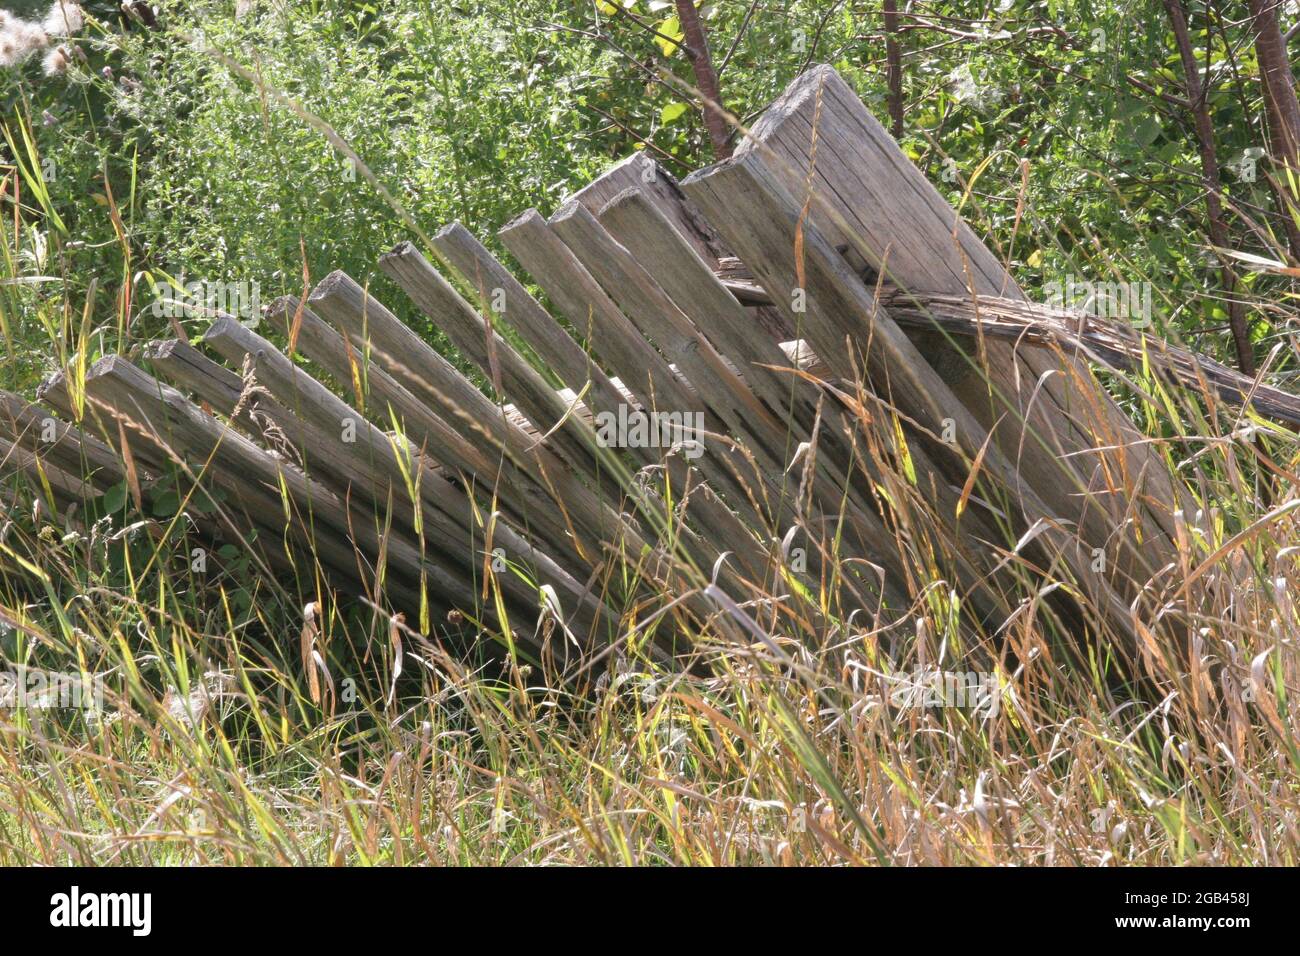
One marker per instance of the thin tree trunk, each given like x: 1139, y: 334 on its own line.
x: 1286, y: 205
x: 1282, y: 109
x: 893, y: 67
x: 1286, y: 202
x: 1218, y: 227
x: 706, y: 80
x: 1275, y: 66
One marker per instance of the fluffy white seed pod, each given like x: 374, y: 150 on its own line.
x: 56, y: 61
x: 64, y: 19
x: 19, y: 39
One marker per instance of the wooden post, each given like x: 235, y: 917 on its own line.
x: 576, y: 369
x: 851, y: 332
x: 448, y: 524
x: 1046, y: 412
x: 69, y: 447
x: 510, y: 374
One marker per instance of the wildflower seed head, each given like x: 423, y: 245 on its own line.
x: 64, y: 19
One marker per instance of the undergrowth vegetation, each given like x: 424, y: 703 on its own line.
x: 251, y: 719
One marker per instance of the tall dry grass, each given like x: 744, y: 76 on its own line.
x: 792, y: 742
x: 249, y: 721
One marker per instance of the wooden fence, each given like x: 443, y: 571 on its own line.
x: 739, y: 380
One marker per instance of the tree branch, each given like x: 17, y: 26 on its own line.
x: 697, y: 49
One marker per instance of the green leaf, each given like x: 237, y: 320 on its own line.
x: 1147, y: 131
x: 672, y: 35
x: 165, y: 505
x: 114, y: 498
x: 204, y: 503
x: 671, y: 112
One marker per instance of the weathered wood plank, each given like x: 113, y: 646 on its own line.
x: 326, y: 346
x: 63, y: 445
x: 595, y: 523
x: 595, y: 526
x: 570, y: 363
x: 1065, y: 434
x: 432, y: 394
x: 641, y: 172
x: 691, y: 284
x: 642, y: 370
x: 1108, y: 343
x: 488, y: 447
x: 449, y: 553
x: 459, y: 543
x: 646, y: 376
x: 575, y: 367
x: 852, y: 333
x: 508, y: 371
x: 651, y: 239
x: 659, y: 320
x: 266, y: 421
x: 65, y: 489
x: 662, y: 190
x: 162, y: 423
x: 640, y: 297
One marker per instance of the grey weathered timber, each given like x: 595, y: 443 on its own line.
x: 570, y: 363
x: 594, y: 524
x: 1046, y: 413
x: 353, y: 360
x: 566, y: 433
x: 66, y: 489
x: 208, y: 381
x: 653, y: 241
x: 639, y: 295
x: 659, y: 320
x: 173, y: 426
x: 448, y: 524
x: 665, y: 384
x: 69, y: 447
x: 1110, y: 344
x: 525, y: 491
x: 329, y: 349
x: 55, y: 391
x: 601, y: 394
x: 643, y: 372
x: 524, y: 465
x: 872, y: 382
x: 376, y: 332
x: 574, y: 366
x: 641, y: 172
x: 315, y: 417
x: 852, y: 333
x: 355, y: 477
x: 662, y: 190
x: 364, y: 370
x: 266, y: 421
x: 1106, y: 342
x: 566, y: 359
x: 472, y: 334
